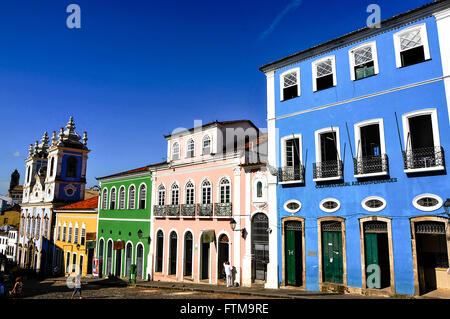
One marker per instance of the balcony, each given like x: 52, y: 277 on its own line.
x: 326, y: 171
x: 204, y: 210
x: 188, y: 210
x: 173, y: 210
x: 371, y: 166
x: 424, y: 159
x: 291, y: 174
x: 222, y: 209
x: 159, y: 210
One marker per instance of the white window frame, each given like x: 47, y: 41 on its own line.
x: 424, y: 208
x: 193, y: 148
x: 139, y: 196
x: 423, y: 36
x: 219, y: 190
x: 296, y: 70
x: 436, y: 138
x: 172, y: 188
x: 186, y: 192
x: 161, y: 188
x: 314, y: 70
x: 201, y: 191
x: 292, y: 211
x: 205, y: 138
x: 283, y: 152
x: 330, y: 199
x: 121, y: 204
x: 177, y: 153
x: 111, y: 198
x: 318, y: 149
x: 351, y: 56
x: 263, y: 181
x: 358, y: 148
x: 105, y: 198
x: 370, y: 209
x: 133, y: 202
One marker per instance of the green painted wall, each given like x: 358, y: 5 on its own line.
x: 124, y: 224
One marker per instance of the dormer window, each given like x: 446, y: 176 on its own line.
x: 190, y: 148
x: 175, y: 151
x: 206, y: 149
x: 411, y: 46
x: 290, y: 84
x: 363, y: 61
x: 324, y: 73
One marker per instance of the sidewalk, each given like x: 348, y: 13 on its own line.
x: 286, y: 293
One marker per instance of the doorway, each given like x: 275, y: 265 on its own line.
x: 173, y: 243
x: 139, y: 261
x: 260, y: 246
x: 332, y: 253
x: 109, y: 258
x: 118, y: 262
x: 100, y: 258
x: 223, y: 255
x: 188, y: 254
x: 376, y: 248
x: 90, y: 261
x: 432, y: 255
x: 204, y: 254
x: 293, y: 253
x: 128, y: 256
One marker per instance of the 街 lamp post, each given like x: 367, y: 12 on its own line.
x: 233, y: 228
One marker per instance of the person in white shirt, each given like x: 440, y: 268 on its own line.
x: 228, y: 272
x: 77, y: 286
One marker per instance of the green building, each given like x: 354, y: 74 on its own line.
x: 124, y: 223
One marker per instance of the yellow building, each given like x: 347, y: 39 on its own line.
x: 10, y: 217
x: 75, y: 235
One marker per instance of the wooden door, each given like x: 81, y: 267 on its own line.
x: 332, y: 259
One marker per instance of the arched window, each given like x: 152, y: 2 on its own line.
x: 161, y: 195
x: 206, y: 147
x: 105, y: 198
x: 128, y: 258
x: 122, y: 197
x: 259, y: 190
x: 173, y: 253
x: 190, y: 193
x: 112, y: 199
x: 175, y: 151
x: 188, y: 244
x: 206, y: 192
x: 58, y: 236
x: 159, y: 251
x: 174, y: 194
x: 64, y: 232
x: 225, y: 191
x: 142, y: 196
x: 131, y: 198
x: 72, y: 164
x: 69, y: 238
x: 190, y: 148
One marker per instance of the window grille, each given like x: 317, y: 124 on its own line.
x: 427, y: 202
x: 374, y: 203
x: 293, y: 206
x: 375, y: 227
x: 189, y: 193
x: 224, y: 191
x: 332, y: 226
x: 69, y: 240
x: 175, y: 192
x: 75, y: 237
x: 324, y: 68
x: 122, y: 198
x: 410, y: 40
x: 161, y: 195
x: 105, y: 199
x: 290, y: 79
x: 330, y: 204
x: 294, y: 225
x: 206, y: 192
x: 363, y: 55
x: 435, y: 228
x: 64, y: 233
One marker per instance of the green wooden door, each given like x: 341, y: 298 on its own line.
x: 371, y: 242
x: 290, y: 258
x: 332, y: 257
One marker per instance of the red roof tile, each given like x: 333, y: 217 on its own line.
x: 90, y: 203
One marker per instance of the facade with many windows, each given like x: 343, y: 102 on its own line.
x: 210, y: 206
x: 358, y: 133
x: 123, y: 232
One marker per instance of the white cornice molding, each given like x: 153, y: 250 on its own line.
x: 442, y: 14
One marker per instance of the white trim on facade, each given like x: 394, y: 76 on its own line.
x: 282, y: 75
x: 370, y: 209
x: 314, y: 70
x: 330, y: 199
x: 427, y: 208
x: 351, y: 57
x: 424, y: 39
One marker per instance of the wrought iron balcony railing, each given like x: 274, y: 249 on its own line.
x: 204, y: 209
x: 173, y: 210
x: 222, y: 209
x: 159, y: 210
x: 188, y: 209
x: 328, y: 169
x: 291, y: 174
x: 371, y: 164
x: 424, y: 158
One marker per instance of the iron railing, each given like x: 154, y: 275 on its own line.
x: 291, y: 174
x: 327, y: 169
x: 204, y: 210
x: 159, y: 210
x: 222, y: 209
x: 371, y: 164
x: 424, y: 157
x: 188, y: 209
x: 173, y: 210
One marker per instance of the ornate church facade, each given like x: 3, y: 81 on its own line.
x: 55, y: 176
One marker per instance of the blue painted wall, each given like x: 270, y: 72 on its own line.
x: 399, y: 194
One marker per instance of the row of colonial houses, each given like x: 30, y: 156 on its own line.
x: 346, y: 190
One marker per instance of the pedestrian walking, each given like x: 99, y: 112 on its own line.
x: 77, y: 288
x: 228, y: 272
x: 17, y: 289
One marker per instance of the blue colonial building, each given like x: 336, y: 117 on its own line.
x: 358, y: 139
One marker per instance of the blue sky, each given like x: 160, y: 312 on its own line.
x: 136, y: 70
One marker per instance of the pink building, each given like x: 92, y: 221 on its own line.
x: 210, y: 205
